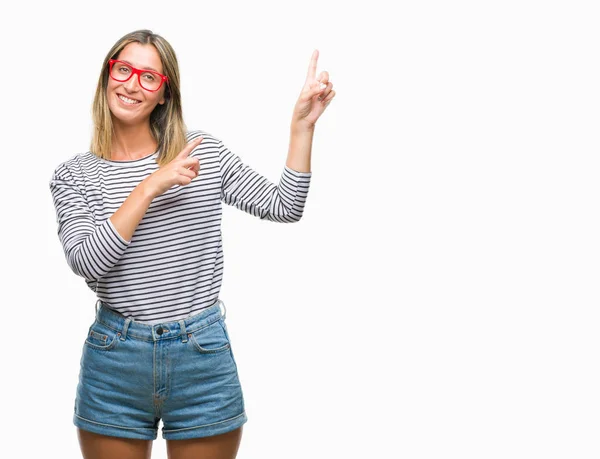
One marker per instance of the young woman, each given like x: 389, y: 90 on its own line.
x: 139, y: 219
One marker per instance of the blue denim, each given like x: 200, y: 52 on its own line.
x: 134, y: 374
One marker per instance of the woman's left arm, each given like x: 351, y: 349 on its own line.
x: 253, y: 193
x: 316, y: 95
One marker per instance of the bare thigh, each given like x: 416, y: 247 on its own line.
x: 96, y: 446
x: 222, y: 446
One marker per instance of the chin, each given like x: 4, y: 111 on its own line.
x: 128, y: 120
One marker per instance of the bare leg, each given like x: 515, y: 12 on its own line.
x: 96, y: 446
x: 223, y: 446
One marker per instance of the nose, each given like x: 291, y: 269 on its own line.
x: 132, y: 85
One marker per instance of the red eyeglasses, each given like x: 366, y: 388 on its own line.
x: 148, y: 79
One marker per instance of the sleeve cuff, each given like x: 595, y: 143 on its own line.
x: 115, y: 236
x: 297, y: 174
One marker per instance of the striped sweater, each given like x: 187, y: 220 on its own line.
x: 173, y: 265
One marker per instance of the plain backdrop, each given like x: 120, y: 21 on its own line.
x: 439, y: 297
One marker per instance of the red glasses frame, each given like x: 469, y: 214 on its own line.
x: 134, y: 71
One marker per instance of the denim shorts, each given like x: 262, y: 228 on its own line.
x: 134, y: 374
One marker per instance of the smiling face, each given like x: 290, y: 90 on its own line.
x: 138, y: 103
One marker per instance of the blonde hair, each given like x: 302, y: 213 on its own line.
x: 166, y: 120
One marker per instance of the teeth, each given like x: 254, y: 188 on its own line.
x: 129, y: 101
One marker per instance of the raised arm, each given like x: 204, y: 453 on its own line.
x: 247, y: 190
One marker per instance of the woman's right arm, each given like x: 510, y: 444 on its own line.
x: 90, y: 250
x: 127, y: 217
x: 93, y: 250
x: 181, y: 171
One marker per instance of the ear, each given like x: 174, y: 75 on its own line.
x: 163, y: 97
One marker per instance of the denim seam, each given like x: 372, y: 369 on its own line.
x: 150, y: 340
x: 157, y: 401
x: 119, y: 427
x: 203, y: 350
x: 102, y: 347
x: 100, y: 336
x: 205, y: 425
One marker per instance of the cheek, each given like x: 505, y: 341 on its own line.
x: 111, y: 85
x: 110, y: 91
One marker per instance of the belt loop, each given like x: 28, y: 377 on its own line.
x: 183, y: 331
x: 125, y: 327
x: 98, y: 301
x: 224, y: 313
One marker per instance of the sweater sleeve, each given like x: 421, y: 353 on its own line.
x: 90, y: 250
x: 249, y: 191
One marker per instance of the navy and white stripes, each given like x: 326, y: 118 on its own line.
x: 252, y: 193
x: 173, y: 265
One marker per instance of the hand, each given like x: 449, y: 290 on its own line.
x: 316, y: 95
x: 180, y: 171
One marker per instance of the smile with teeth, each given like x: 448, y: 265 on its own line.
x: 127, y: 100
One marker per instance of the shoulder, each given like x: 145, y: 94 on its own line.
x: 72, y: 166
x: 208, y: 139
x: 70, y: 172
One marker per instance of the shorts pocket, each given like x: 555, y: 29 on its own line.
x: 210, y: 339
x: 101, y: 337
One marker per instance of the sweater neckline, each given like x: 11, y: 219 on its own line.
x: 148, y: 159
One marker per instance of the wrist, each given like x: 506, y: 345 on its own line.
x: 302, y: 127
x: 145, y: 189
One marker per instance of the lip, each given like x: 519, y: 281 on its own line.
x: 125, y: 103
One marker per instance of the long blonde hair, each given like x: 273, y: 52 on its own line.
x: 166, y: 120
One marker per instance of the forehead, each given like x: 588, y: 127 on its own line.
x: 141, y: 56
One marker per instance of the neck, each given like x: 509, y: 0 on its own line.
x: 131, y: 142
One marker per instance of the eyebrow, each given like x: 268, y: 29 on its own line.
x: 144, y: 68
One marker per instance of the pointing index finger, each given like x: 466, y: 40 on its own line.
x: 312, y: 67
x: 190, y: 146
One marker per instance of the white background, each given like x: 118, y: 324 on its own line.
x: 439, y: 297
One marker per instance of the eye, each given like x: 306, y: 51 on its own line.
x: 149, y: 76
x: 123, y: 69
